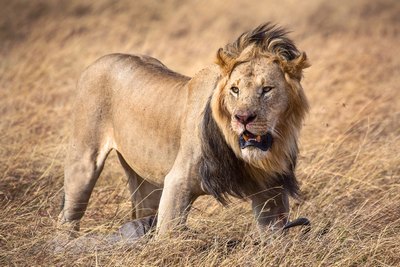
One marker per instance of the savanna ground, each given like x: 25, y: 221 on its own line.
x: 349, y: 164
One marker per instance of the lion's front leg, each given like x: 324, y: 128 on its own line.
x: 176, y: 200
x: 271, y: 212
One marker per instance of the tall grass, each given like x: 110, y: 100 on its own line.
x: 349, y: 164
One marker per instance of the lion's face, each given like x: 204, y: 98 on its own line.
x: 256, y: 98
x: 259, y: 103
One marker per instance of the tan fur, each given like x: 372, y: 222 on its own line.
x: 288, y: 131
x: 241, y: 52
x: 152, y: 117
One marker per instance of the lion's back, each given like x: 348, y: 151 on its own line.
x: 122, y: 79
x: 127, y: 66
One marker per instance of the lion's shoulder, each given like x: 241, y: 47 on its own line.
x: 206, y: 79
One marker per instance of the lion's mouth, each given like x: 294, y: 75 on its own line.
x: 263, y: 142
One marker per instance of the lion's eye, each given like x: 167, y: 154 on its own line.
x: 234, y: 90
x: 266, y: 89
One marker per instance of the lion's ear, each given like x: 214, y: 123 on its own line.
x: 224, y: 61
x: 295, y: 66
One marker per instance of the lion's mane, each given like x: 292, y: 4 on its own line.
x: 223, y: 171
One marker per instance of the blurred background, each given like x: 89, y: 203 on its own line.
x: 349, y: 164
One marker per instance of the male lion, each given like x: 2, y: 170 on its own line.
x: 231, y: 130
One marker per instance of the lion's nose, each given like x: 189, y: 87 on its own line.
x: 245, y: 117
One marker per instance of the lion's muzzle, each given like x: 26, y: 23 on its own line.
x: 263, y: 142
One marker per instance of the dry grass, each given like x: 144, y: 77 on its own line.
x: 349, y: 164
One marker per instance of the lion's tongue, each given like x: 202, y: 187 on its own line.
x: 262, y: 142
x: 247, y: 136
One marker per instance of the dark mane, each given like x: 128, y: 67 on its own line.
x: 223, y: 174
x: 265, y: 38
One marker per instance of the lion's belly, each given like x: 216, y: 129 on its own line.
x: 151, y: 162
x: 149, y: 151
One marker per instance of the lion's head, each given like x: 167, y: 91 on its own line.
x: 259, y: 104
x: 252, y: 121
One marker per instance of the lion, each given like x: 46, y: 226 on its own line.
x: 231, y: 130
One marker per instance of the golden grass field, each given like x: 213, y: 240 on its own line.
x: 350, y: 144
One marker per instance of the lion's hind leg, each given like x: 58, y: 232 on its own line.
x: 145, y: 197
x: 83, y: 166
